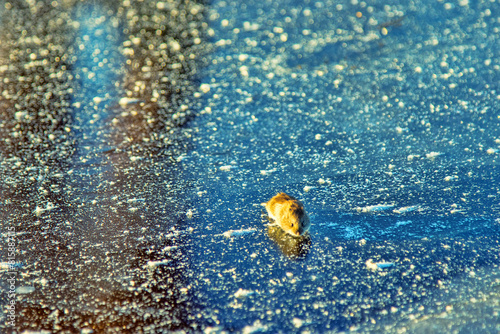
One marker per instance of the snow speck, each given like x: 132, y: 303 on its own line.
x: 226, y: 168
x: 371, y: 265
x: 268, y: 171
x: 297, y: 322
x: 374, y: 266
x: 237, y: 233
x: 154, y: 264
x: 256, y: 327
x: 205, y: 88
x: 25, y: 289
x: 242, y: 293
x: 242, y: 57
x: 97, y: 99
x: 308, y: 188
x: 127, y: 100
x: 374, y: 208
x: 432, y: 155
x: 492, y: 151
x: 406, y: 209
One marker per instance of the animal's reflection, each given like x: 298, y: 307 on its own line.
x: 292, y: 247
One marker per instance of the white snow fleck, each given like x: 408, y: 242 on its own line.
x: 491, y: 151
x: 169, y: 248
x: 242, y: 293
x: 154, y: 264
x: 406, y: 209
x: 38, y: 210
x: 133, y: 200
x: 374, y: 266
x: 244, y: 71
x: 370, y: 265
x: 127, y: 100
x: 256, y: 327
x: 308, y: 188
x: 374, y: 208
x: 432, y: 155
x: 180, y: 157
x: 268, y: 171
x: 97, y: 99
x: 242, y: 57
x: 20, y: 115
x: 205, y: 88
x: 297, y: 322
x: 250, y: 26
x: 25, y: 289
x: 237, y: 233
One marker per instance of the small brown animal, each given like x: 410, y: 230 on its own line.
x: 289, y: 214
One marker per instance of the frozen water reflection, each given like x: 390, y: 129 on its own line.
x: 131, y: 215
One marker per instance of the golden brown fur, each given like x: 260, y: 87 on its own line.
x: 289, y: 214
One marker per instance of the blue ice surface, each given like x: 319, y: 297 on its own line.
x: 96, y: 40
x: 383, y: 118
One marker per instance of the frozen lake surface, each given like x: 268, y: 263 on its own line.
x: 140, y: 139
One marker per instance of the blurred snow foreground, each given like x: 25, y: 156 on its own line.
x: 139, y: 139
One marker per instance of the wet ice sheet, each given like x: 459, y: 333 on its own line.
x: 383, y: 120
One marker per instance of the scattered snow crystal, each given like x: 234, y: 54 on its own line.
x: 242, y: 293
x: 232, y: 233
x: 373, y: 208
